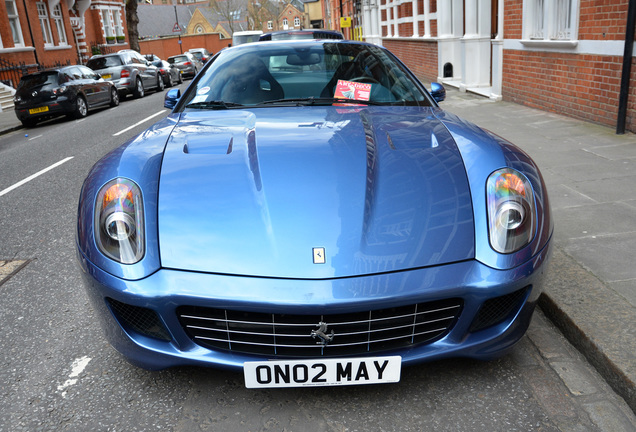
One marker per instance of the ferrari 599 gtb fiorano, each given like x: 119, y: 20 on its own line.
x: 308, y: 215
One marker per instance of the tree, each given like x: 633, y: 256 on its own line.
x: 131, y: 22
x: 262, y: 11
x: 232, y: 11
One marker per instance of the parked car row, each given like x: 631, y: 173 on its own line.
x: 131, y: 72
x: 75, y: 90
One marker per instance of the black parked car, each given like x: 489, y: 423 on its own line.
x: 69, y: 90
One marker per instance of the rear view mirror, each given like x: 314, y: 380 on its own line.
x: 438, y: 92
x: 171, y: 98
x: 303, y: 59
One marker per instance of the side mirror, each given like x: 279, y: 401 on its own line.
x: 171, y: 98
x: 438, y: 92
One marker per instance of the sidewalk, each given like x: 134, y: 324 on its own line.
x: 9, y: 122
x: 590, y: 172
x: 591, y: 177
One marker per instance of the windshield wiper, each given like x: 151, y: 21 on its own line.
x: 213, y: 105
x: 317, y: 101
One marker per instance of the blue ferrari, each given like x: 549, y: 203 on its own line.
x: 308, y: 215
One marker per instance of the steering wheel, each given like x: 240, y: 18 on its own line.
x: 365, y: 79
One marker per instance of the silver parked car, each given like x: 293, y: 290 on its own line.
x: 201, y: 53
x: 131, y: 72
x: 187, y: 63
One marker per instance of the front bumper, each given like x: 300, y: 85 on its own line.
x: 156, y: 339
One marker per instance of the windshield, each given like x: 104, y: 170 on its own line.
x: 38, y: 80
x: 178, y: 59
x: 104, y: 62
x: 270, y: 74
x: 241, y: 38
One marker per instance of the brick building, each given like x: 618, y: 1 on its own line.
x: 59, y: 31
x: 563, y: 56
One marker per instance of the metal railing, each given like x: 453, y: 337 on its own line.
x: 10, y: 73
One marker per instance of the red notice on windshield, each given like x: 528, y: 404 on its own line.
x: 353, y: 90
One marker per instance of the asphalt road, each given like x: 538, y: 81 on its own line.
x: 58, y: 373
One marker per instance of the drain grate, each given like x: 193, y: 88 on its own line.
x: 10, y: 267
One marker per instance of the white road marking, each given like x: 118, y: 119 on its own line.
x: 77, y: 368
x: 138, y: 123
x: 37, y: 174
x: 35, y: 137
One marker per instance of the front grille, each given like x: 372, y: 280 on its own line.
x: 291, y: 335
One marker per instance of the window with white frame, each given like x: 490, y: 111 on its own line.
x: 296, y: 22
x: 14, y: 23
x: 551, y: 20
x: 107, y: 21
x: 270, y: 25
x: 45, y: 24
x: 285, y: 22
x: 56, y: 13
x: 117, y: 24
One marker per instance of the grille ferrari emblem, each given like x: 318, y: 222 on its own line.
x: 322, y: 335
x: 319, y: 255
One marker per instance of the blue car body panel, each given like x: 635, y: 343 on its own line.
x: 381, y: 188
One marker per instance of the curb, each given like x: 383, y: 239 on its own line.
x: 10, y: 129
x: 595, y: 320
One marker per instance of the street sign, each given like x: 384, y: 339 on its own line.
x: 176, y: 28
x: 345, y: 22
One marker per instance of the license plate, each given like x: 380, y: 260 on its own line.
x: 322, y: 372
x: 38, y: 110
x: 106, y: 76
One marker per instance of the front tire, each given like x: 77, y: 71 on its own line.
x: 139, y: 89
x: 160, y: 83
x: 81, y: 109
x: 114, y: 97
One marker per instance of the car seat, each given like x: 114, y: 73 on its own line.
x: 249, y: 82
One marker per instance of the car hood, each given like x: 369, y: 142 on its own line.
x: 263, y: 192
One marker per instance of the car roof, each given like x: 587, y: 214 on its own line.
x: 53, y: 69
x: 316, y: 33
x: 117, y: 54
x: 306, y: 42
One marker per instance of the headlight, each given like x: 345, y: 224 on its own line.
x: 511, y: 210
x: 119, y: 221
